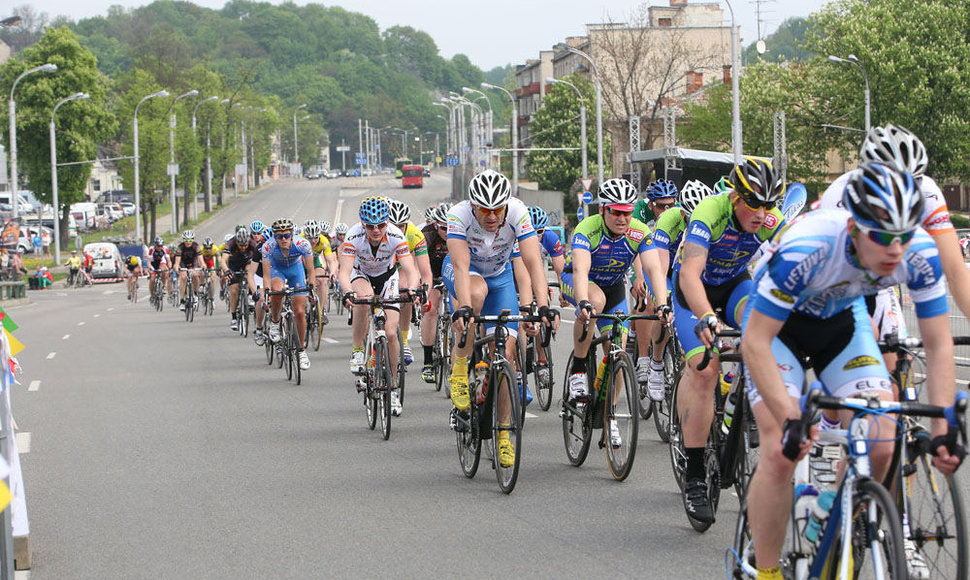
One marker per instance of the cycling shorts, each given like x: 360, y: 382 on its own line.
x: 841, y: 350
x: 731, y: 297
x: 385, y: 285
x: 294, y: 276
x: 501, y: 293
x: 615, y: 299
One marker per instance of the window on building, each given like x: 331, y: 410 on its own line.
x: 97, y: 184
x: 667, y: 22
x: 695, y: 81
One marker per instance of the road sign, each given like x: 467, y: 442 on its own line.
x: 172, y: 169
x: 361, y: 158
x: 587, y: 183
x: 579, y: 213
x: 343, y: 148
x: 587, y: 197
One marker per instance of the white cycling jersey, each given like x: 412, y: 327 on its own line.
x: 490, y: 252
x: 936, y: 216
x: 371, y: 261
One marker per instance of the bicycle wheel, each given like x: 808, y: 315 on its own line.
x: 544, y: 387
x: 383, y: 385
x: 279, y: 346
x: 678, y: 457
x: 577, y: 429
x: 621, y: 405
x: 739, y: 562
x: 402, y: 368
x: 242, y: 308
x: 443, y: 355
x: 933, y: 514
x: 876, y: 529
x: 315, y: 328
x: 294, y: 351
x: 502, y: 378
x: 521, y: 376
x: 661, y: 409
x: 267, y: 344
x: 288, y: 344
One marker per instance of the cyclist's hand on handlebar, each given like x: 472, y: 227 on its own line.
x: 550, y: 316
x: 795, y: 445
x: 460, y: 318
x: 584, y: 310
x: 639, y: 288
x: 706, y: 327
x: 348, y: 296
x: 663, y: 311
x: 948, y: 452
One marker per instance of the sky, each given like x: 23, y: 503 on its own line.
x: 494, y: 32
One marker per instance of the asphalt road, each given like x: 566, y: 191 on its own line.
x: 163, y: 449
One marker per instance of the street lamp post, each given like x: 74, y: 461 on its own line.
x: 208, y: 162
x: 582, y: 121
x: 737, y: 144
x: 162, y: 93
x: 296, y: 138
x: 515, y: 135
x: 48, y: 67
x: 488, y: 120
x: 172, y: 168
x: 852, y: 59
x: 54, y: 198
x: 599, y: 109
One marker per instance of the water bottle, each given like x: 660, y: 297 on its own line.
x: 806, y: 496
x: 599, y: 374
x: 731, y: 402
x: 481, y: 371
x: 819, y: 513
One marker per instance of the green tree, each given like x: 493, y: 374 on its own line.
x: 79, y: 125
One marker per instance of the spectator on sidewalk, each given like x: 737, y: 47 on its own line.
x: 38, y: 244
x: 17, y: 268
x: 44, y: 277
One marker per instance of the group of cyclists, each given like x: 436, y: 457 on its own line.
x: 805, y: 293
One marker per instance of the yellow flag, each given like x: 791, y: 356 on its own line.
x: 15, y: 345
x: 5, y: 496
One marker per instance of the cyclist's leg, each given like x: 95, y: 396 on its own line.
x: 361, y: 285
x: 429, y: 325
x: 234, y: 287
x: 501, y: 296
x: 277, y: 281
x: 596, y: 298
x: 181, y: 284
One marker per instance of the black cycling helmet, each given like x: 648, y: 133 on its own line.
x: 756, y: 182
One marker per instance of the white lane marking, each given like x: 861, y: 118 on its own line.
x: 530, y: 415
x: 336, y: 216
x: 80, y: 323
x: 21, y: 575
x: 97, y: 315
x: 23, y: 442
x: 110, y: 309
x: 34, y: 385
x: 331, y: 340
x: 567, y: 321
x: 51, y: 355
x: 65, y: 337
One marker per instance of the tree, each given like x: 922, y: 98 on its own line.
x: 79, y: 125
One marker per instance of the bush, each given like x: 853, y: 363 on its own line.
x: 960, y: 221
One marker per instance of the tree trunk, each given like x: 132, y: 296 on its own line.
x: 152, y: 220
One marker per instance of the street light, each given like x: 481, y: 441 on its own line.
x: 599, y: 107
x: 736, y: 142
x: 162, y: 93
x: 48, y: 67
x: 296, y: 148
x: 852, y: 59
x: 208, y: 159
x: 515, y: 135
x: 582, y: 120
x: 56, y: 202
x: 488, y: 120
x: 172, y: 168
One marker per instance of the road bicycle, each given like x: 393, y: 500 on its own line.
x: 242, y: 305
x: 191, y: 300
x: 335, y: 302
x: 314, y: 313
x: 862, y: 535
x: 134, y: 292
x: 443, y: 339
x: 540, y: 367
x: 482, y: 420
x: 268, y: 345
x: 612, y: 400
x: 158, y: 291
x: 207, y: 295
x: 729, y: 457
x: 289, y: 343
x: 673, y: 364
x: 376, y: 384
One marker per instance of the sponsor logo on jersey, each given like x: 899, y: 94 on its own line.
x: 730, y: 237
x: 581, y: 243
x: 922, y: 268
x: 872, y: 384
x: 634, y: 234
x: 786, y: 298
x: 803, y: 268
x: 784, y: 367
x: 942, y: 219
x: 859, y: 362
x: 700, y: 232
x: 771, y: 220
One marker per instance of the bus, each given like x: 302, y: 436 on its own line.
x: 412, y: 176
x: 399, y: 163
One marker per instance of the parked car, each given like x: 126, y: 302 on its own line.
x: 128, y: 207
x: 112, y: 211
x: 116, y: 195
x: 333, y: 174
x: 26, y: 241
x: 313, y: 175
x: 107, y: 260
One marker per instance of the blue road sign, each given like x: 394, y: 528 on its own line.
x: 587, y: 197
x: 579, y: 213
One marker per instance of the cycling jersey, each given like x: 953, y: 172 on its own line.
x: 321, y: 246
x: 550, y: 245
x: 642, y: 212
x: 490, y: 252
x: 714, y: 227
x: 186, y: 254
x: 610, y: 255
x: 437, y: 248
x: 299, y: 249
x: 417, y: 244
x: 157, y: 255
x: 74, y: 262
x: 374, y: 261
x: 209, y: 256
x: 936, y: 216
x: 239, y: 257
x: 668, y: 232
x: 812, y: 270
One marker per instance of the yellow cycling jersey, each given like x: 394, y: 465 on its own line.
x: 416, y: 242
x: 215, y: 251
x: 322, y: 246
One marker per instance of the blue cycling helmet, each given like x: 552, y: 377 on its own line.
x: 539, y: 218
x: 266, y: 232
x: 256, y: 227
x: 660, y: 189
x: 374, y: 210
x: 882, y: 198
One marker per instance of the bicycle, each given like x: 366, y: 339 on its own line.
x: 191, y: 301
x: 315, y: 321
x: 402, y: 367
x: 673, y: 363
x: 484, y: 383
x: 267, y: 343
x: 134, y: 292
x: 544, y: 381
x: 730, y: 457
x: 158, y: 291
x: 335, y: 302
x: 206, y: 294
x: 930, y: 503
x: 376, y: 384
x: 289, y: 345
x: 443, y: 340
x: 863, y: 516
x: 242, y: 304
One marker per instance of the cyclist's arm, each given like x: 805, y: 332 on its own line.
x: 581, y: 260
x: 331, y: 263
x: 424, y: 267
x: 409, y: 267
x: 529, y: 249
x: 346, y: 262
x: 759, y: 332
x: 655, y: 268
x: 251, y: 274
x: 695, y: 260
x: 957, y: 274
x: 523, y: 284
x: 199, y: 262
x: 938, y: 344
x: 461, y: 262
x: 558, y: 263
x: 308, y: 270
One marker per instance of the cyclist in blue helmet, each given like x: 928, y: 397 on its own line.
x: 256, y: 227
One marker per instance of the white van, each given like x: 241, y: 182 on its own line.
x: 24, y: 206
x: 107, y: 260
x: 88, y: 212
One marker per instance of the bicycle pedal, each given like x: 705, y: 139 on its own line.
x: 360, y: 385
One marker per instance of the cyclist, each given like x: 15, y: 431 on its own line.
x: 235, y: 262
x: 436, y: 237
x: 667, y: 234
x: 260, y: 237
x: 286, y: 259
x: 160, y: 263
x: 418, y: 246
x: 551, y: 247
x: 340, y: 234
x: 368, y: 266
x: 661, y: 195
x: 806, y: 303
x: 604, y: 248
x: 711, y: 272
x: 210, y: 257
x: 188, y: 255
x: 481, y: 234
x: 324, y: 262
x: 132, y: 273
x: 74, y: 267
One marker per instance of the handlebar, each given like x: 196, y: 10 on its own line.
x: 377, y: 301
x: 619, y: 318
x: 501, y: 319
x: 893, y: 343
x: 709, y: 351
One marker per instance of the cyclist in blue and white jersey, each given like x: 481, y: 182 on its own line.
x: 549, y: 243
x: 807, y: 303
x: 286, y: 260
x: 482, y: 232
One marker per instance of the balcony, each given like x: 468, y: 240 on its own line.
x: 531, y: 89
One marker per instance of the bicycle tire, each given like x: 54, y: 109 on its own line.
x: 188, y: 301
x: 678, y: 457
x: 402, y: 369
x: 383, y: 385
x: 267, y: 344
x: 577, y: 430
x: 932, y: 506
x: 506, y: 476
x: 295, y: 351
x: 243, y: 317
x: 278, y: 346
x: 672, y: 370
x: 622, y: 408
x: 316, y: 331
x: 872, y: 502
x: 470, y: 441
x: 288, y: 346
x: 544, y: 388
x: 443, y: 344
x: 522, y: 387
x: 739, y: 561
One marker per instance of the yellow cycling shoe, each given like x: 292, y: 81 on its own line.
x: 459, y: 392
x: 506, y: 452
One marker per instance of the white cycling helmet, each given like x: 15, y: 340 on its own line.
x: 880, y: 197
x: 312, y: 230
x: 325, y: 227
x: 691, y: 194
x: 618, y: 193
x: 490, y: 190
x: 400, y: 212
x: 188, y: 235
x: 895, y: 146
x: 341, y: 229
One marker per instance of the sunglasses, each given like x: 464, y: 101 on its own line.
x: 884, y: 238
x: 539, y: 232
x: 282, y: 236
x: 486, y: 211
x: 756, y: 204
x: 375, y: 226
x: 618, y: 213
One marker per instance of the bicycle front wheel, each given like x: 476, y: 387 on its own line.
x: 316, y: 329
x: 443, y: 354
x: 267, y: 343
x: 382, y: 384
x: 623, y: 417
x: 877, y: 537
x: 577, y: 429
x: 294, y: 351
x: 507, y: 472
x: 545, y: 387
x: 661, y: 409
